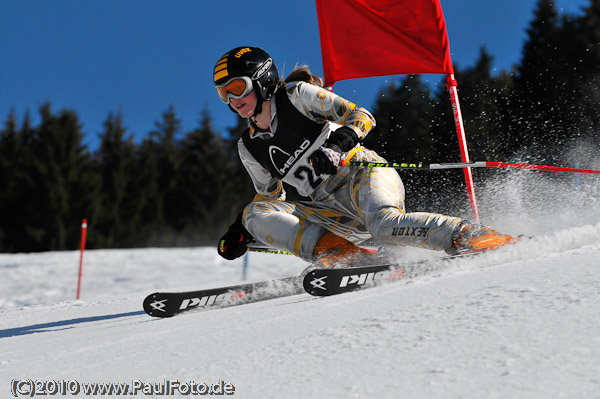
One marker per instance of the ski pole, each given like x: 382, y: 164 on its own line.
x: 267, y: 250
x: 459, y: 165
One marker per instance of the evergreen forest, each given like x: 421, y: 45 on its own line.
x: 185, y: 188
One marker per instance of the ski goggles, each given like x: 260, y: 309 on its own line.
x: 234, y: 88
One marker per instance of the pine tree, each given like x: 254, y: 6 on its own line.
x: 555, y: 102
x: 412, y: 125
x: 539, y: 103
x: 118, y: 221
x: 60, y: 186
x: 8, y: 184
x: 482, y: 98
x: 20, y: 160
x: 244, y: 190
x: 585, y: 73
x: 207, y: 186
x: 404, y: 119
x: 157, y: 166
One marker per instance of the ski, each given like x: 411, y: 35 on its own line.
x: 325, y: 282
x: 168, y: 304
x: 315, y: 281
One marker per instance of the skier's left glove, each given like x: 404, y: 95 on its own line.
x: 235, y: 242
x: 326, y: 159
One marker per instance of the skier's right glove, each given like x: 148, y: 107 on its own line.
x: 234, y: 243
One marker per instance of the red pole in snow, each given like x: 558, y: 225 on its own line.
x: 83, y: 234
x: 462, y: 142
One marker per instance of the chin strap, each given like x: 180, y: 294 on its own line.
x: 259, y: 103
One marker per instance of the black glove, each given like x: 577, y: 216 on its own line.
x: 326, y: 159
x: 234, y: 243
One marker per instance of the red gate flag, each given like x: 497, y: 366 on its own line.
x: 364, y: 38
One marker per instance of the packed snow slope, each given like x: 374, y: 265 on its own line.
x: 519, y: 322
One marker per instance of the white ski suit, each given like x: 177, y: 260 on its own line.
x: 356, y: 203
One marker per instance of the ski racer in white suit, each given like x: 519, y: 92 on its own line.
x: 298, y: 134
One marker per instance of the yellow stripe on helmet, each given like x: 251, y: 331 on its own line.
x: 221, y: 68
x: 221, y: 75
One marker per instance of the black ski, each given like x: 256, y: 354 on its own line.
x: 167, y: 304
x: 315, y: 281
x: 324, y: 282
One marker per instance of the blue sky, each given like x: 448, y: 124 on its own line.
x: 140, y: 57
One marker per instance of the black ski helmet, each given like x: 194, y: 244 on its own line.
x: 252, y: 62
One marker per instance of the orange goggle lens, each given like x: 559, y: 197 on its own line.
x: 236, y: 88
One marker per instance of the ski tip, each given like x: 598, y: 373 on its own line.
x: 155, y: 306
x: 308, y: 282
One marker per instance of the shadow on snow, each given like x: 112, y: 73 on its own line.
x: 64, y: 324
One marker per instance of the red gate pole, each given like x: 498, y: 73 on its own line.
x: 83, y: 234
x: 462, y: 142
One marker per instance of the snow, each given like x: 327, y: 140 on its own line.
x: 521, y: 321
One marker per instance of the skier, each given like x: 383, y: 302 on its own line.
x: 298, y: 133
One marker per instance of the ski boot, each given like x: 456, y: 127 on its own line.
x: 473, y: 238
x: 335, y: 251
